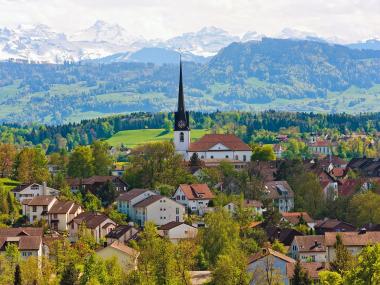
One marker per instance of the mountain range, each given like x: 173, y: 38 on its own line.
x: 106, y: 43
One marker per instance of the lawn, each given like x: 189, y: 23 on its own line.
x: 133, y: 138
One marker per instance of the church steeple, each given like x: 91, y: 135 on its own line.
x: 181, y: 116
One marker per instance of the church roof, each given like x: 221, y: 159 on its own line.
x: 208, y: 141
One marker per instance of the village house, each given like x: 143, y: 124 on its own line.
x: 268, y: 260
x: 177, y: 231
x: 28, y: 191
x: 283, y: 235
x: 126, y: 255
x: 94, y: 183
x: 158, y: 209
x: 281, y: 194
x: 27, y: 239
x: 333, y: 225
x: 122, y: 233
x: 322, y: 147
x: 256, y: 206
x: 295, y: 218
x: 309, y: 248
x: 353, y: 241
x: 196, y: 197
x: 127, y: 200
x: 61, y: 213
x: 367, y: 167
x: 37, y: 208
x: 278, y: 150
x: 97, y: 224
x: 312, y: 268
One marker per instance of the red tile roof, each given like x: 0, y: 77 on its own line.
x: 294, y: 217
x: 61, y: 207
x: 312, y: 268
x: 338, y: 172
x: 196, y: 191
x: 208, y: 141
x: 353, y: 238
x: 268, y: 251
x: 349, y: 187
x: 314, y: 243
x: 14, y: 232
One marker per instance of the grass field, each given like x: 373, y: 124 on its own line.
x: 133, y: 138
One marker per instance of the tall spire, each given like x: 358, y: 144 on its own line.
x: 181, y: 99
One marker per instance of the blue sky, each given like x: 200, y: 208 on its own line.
x: 349, y: 20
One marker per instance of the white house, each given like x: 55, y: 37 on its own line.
x: 158, y: 209
x: 309, y: 248
x: 255, y: 205
x: 126, y: 200
x: 97, y: 224
x: 196, y: 197
x: 37, y: 208
x: 28, y: 191
x: 281, y: 195
x: 61, y: 213
x: 211, y: 146
x: 176, y: 231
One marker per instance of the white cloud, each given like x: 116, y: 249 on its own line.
x: 347, y: 19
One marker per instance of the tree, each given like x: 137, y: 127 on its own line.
x: 7, y: 159
x: 81, y: 162
x: 363, y: 208
x: 344, y: 260
x: 31, y: 166
x: 17, y: 278
x: 12, y: 254
x: 300, y: 276
x: 107, y: 193
x: 330, y: 278
x: 69, y: 275
x: 278, y: 246
x: 263, y: 153
x: 91, y: 202
x: 102, y: 160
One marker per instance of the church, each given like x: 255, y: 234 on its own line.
x: 210, y: 146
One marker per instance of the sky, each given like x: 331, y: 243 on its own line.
x: 348, y: 20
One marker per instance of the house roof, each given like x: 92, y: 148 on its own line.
x: 350, y: 186
x: 148, y: 201
x: 209, y: 140
x: 285, y: 236
x: 120, y: 246
x: 252, y: 203
x: 74, y: 208
x: 353, y: 238
x: 277, y: 189
x: 23, y: 242
x: 21, y: 187
x: 128, y: 196
x: 330, y: 224
x: 21, y: 231
x: 42, y: 200
x: 315, y: 243
x: 61, y: 207
x: 196, y: 191
x: 321, y: 143
x: 338, y: 171
x: 294, y: 217
x: 119, y: 231
x: 172, y: 225
x: 268, y: 251
x: 90, y: 219
x: 312, y: 268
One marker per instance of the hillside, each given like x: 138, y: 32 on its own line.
x: 285, y: 75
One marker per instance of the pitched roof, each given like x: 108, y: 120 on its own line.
x: 42, y: 200
x: 90, y: 219
x: 268, y: 251
x: 338, y: 171
x: 30, y: 243
x: 312, y: 268
x: 294, y: 217
x: 128, y: 196
x: 61, y: 207
x: 14, y: 232
x: 277, y: 189
x: 172, y: 225
x: 119, y: 231
x: 208, y: 141
x: 350, y: 186
x: 196, y: 191
x: 315, y: 243
x: 252, y: 203
x: 148, y: 201
x: 74, y: 209
x: 123, y: 248
x: 285, y: 236
x: 353, y: 238
x: 21, y: 187
x: 330, y: 224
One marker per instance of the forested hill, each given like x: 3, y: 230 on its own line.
x: 244, y: 124
x: 276, y: 74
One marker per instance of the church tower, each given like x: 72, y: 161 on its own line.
x: 181, y: 121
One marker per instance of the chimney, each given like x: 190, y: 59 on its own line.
x: 362, y: 231
x: 44, y: 188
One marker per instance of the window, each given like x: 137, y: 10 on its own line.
x: 236, y: 157
x: 177, y: 211
x: 244, y: 157
x: 44, y: 208
x: 183, y: 197
x: 181, y: 137
x: 212, y: 156
x: 177, y: 219
x: 34, y: 209
x: 202, y: 156
x: 178, y: 197
x: 227, y: 156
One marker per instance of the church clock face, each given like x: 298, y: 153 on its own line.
x: 181, y: 124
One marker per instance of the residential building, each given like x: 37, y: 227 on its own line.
x: 333, y: 225
x: 126, y: 255
x: 97, y: 224
x: 281, y: 194
x: 158, y: 209
x: 61, y: 213
x: 196, y: 197
x: 27, y: 239
x: 177, y: 231
x: 37, y: 208
x: 265, y: 261
x: 29, y: 191
x: 312, y: 268
x: 94, y: 183
x: 284, y: 235
x: 309, y: 248
x: 256, y: 206
x: 354, y: 241
x: 211, y: 146
x: 367, y: 167
x: 295, y: 218
x: 278, y: 150
x: 122, y: 233
x: 126, y: 200
x: 322, y: 147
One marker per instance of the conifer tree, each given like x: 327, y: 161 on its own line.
x: 69, y: 275
x: 17, y: 280
x: 343, y: 258
x: 300, y: 276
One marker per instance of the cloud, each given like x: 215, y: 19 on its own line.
x: 347, y: 19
